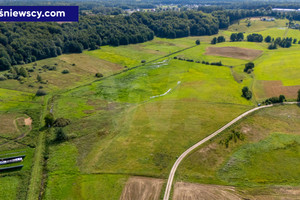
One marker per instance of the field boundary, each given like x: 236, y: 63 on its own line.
x: 195, y: 146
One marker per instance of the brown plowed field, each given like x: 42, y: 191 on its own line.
x: 140, y: 188
x: 234, y: 52
x: 275, y: 88
x: 191, y: 191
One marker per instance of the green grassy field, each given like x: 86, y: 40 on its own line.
x: 279, y: 65
x: 14, y: 184
x: 128, y: 132
x: 248, y: 164
x: 139, y: 121
x: 267, y: 156
x: 257, y: 26
x: 82, y: 69
x: 132, y: 55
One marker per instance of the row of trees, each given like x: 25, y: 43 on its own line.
x: 234, y: 37
x: 255, y: 37
x: 219, y: 39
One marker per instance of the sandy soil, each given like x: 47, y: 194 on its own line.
x: 234, y: 52
x: 28, y: 121
x: 140, y: 188
x: 191, y: 191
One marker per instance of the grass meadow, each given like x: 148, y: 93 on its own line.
x: 266, y: 157
x: 138, y: 121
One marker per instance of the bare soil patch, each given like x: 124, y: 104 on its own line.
x: 275, y: 88
x: 191, y: 191
x: 140, y: 188
x: 28, y: 121
x: 234, y: 52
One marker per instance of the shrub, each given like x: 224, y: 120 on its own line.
x: 65, y: 71
x: 41, y: 93
x: 281, y: 98
x: 272, y: 46
x: 268, y: 39
x: 272, y: 100
x: 39, y: 78
x: 255, y: 37
x: 143, y: 61
x: 99, y: 75
x: 248, y: 66
x: 49, y: 120
x: 2, y: 78
x: 197, y: 42
x: 9, y: 75
x: 221, y: 39
x: 60, y: 135
x: 217, y: 63
x: 52, y: 68
x: 61, y: 122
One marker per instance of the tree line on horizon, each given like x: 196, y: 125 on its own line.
x: 26, y: 42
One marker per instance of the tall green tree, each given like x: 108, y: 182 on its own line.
x: 214, y: 41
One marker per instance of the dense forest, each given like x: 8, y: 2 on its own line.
x: 102, y: 25
x: 179, y: 24
x: 27, y: 42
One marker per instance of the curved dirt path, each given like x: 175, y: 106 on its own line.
x: 182, y: 156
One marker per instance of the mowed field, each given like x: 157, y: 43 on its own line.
x: 134, y: 124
